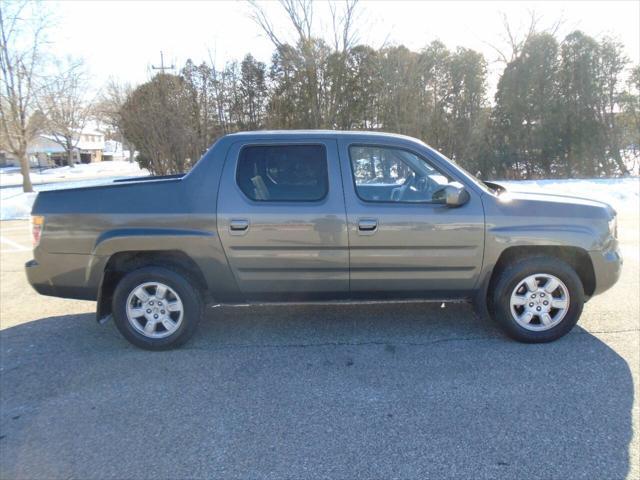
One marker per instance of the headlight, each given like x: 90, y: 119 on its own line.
x: 613, y: 227
x: 37, y: 224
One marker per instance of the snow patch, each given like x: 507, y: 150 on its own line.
x: 16, y: 206
x: 11, y: 176
x: 623, y: 194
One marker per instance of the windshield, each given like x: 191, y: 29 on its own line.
x: 472, y: 178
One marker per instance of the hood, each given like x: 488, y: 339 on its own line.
x: 528, y: 218
x: 555, y: 198
x: 551, y: 205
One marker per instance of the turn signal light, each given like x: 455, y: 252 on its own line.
x: 37, y: 224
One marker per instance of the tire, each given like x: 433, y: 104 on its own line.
x: 515, y: 285
x: 170, y: 314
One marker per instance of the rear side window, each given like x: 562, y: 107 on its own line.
x: 283, y: 173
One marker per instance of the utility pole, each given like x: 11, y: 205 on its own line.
x: 162, y: 68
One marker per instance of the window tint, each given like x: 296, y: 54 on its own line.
x: 395, y: 175
x: 283, y: 173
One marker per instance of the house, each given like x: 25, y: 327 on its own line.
x: 114, y: 151
x: 44, y: 150
x: 91, y: 147
x: 7, y: 160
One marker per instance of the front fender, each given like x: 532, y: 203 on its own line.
x: 540, y: 234
x: 535, y: 220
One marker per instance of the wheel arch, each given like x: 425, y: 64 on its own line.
x: 576, y: 257
x: 121, y: 263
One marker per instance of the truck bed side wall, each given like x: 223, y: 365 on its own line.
x: 86, y: 226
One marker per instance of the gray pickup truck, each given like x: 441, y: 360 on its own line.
x: 320, y: 216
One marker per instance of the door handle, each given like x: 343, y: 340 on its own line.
x: 239, y: 226
x: 367, y: 226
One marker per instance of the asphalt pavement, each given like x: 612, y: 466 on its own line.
x: 337, y: 391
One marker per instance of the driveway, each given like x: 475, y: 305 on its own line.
x: 403, y: 390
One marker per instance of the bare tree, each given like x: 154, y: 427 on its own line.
x: 515, y: 37
x: 22, y: 34
x: 311, y: 58
x: 66, y: 109
x: 300, y: 15
x: 108, y: 110
x: 345, y: 35
x: 299, y: 12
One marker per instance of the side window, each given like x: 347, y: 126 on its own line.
x: 383, y: 174
x: 283, y: 173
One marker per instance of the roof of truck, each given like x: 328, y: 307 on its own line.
x: 318, y: 133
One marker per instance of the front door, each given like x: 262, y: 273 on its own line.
x: 404, y: 242
x: 282, y: 221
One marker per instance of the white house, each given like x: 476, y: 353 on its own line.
x: 114, y: 151
x: 89, y: 147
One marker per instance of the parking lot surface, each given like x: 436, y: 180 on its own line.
x: 408, y: 390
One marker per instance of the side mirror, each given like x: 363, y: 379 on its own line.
x: 453, y: 195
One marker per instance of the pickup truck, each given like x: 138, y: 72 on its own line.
x: 308, y: 216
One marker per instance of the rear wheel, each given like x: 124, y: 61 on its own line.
x: 157, y: 308
x: 537, y: 299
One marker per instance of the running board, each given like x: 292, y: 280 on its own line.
x: 343, y: 302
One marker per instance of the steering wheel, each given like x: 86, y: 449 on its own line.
x: 423, y: 186
x: 399, y: 193
x: 409, y: 180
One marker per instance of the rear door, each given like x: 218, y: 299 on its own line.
x: 404, y: 242
x: 282, y: 220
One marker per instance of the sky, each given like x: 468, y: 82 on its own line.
x: 122, y: 40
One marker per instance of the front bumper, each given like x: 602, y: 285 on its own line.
x: 607, y: 266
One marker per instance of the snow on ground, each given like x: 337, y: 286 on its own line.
x: 11, y: 176
x: 621, y: 193
x: 14, y: 204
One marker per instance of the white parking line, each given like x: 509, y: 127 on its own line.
x: 16, y: 246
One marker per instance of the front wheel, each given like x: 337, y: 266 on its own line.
x: 537, y: 299
x: 156, y: 308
